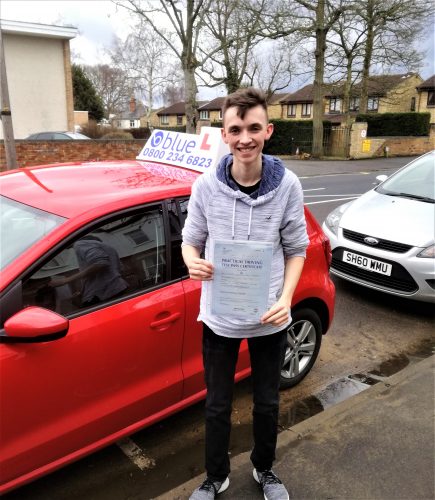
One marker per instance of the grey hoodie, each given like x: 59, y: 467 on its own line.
x: 274, y: 213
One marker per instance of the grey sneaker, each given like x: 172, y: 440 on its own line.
x: 271, y: 485
x: 209, y: 489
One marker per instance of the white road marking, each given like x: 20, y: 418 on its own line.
x: 329, y: 201
x: 314, y: 189
x: 136, y: 454
x: 329, y: 195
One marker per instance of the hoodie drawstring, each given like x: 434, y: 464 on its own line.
x: 234, y: 220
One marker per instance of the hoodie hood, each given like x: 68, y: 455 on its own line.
x: 271, y: 177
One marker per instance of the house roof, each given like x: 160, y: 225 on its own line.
x: 378, y: 85
x: 305, y: 94
x: 213, y: 105
x: 179, y: 108
x: 126, y: 114
x: 277, y: 98
x: 37, y: 29
x: 428, y: 84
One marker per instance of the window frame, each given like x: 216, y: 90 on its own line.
x: 335, y: 104
x: 430, y: 98
x: 375, y: 105
x: 164, y: 119
x: 204, y: 114
x: 179, y: 119
x: 291, y: 110
x: 305, y: 105
x: 354, y: 103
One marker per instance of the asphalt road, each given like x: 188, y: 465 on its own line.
x: 373, y: 334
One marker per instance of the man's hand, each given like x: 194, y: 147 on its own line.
x: 278, y: 314
x: 200, y: 269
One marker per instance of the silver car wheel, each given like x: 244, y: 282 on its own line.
x: 301, y: 340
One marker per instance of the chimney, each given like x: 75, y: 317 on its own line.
x: 132, y: 105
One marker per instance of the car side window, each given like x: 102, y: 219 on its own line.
x: 120, y: 257
x: 177, y: 211
x: 62, y: 137
x: 47, y: 136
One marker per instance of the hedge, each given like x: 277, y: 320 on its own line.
x: 396, y: 124
x: 289, y: 136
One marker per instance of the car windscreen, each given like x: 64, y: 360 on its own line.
x: 417, y: 181
x: 20, y: 227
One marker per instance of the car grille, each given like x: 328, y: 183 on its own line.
x: 391, y: 246
x: 400, y: 280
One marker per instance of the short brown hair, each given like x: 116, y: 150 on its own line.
x: 244, y: 99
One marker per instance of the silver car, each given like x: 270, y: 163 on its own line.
x: 386, y: 238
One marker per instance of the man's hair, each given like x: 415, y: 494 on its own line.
x: 244, y: 99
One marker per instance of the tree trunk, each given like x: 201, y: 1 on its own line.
x: 189, y: 64
x: 367, y: 57
x: 347, y: 89
x: 318, y: 90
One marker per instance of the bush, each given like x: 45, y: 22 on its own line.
x: 117, y: 135
x: 290, y: 136
x: 139, y: 133
x: 393, y: 124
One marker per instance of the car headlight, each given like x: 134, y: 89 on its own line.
x: 428, y: 253
x: 333, y: 220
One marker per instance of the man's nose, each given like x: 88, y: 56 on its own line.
x: 245, y: 137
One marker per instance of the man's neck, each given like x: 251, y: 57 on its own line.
x: 247, y: 174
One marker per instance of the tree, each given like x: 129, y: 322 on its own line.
x: 186, y: 20
x: 172, y: 94
x: 112, y: 85
x: 232, y: 30
x: 147, y: 62
x: 391, y: 27
x: 85, y: 95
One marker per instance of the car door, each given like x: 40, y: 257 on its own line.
x: 120, y: 363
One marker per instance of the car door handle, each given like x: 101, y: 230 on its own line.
x: 165, y: 321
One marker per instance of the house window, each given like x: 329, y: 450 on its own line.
x: 131, y: 123
x: 412, y: 103
x: 204, y: 114
x: 334, y: 104
x: 431, y: 98
x: 220, y: 115
x: 179, y: 119
x: 372, y: 103
x: 119, y: 124
x: 354, y: 104
x: 306, y: 109
x: 291, y: 110
x: 164, y: 119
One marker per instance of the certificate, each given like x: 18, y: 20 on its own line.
x: 241, y: 279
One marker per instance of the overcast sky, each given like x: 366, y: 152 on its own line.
x: 99, y: 20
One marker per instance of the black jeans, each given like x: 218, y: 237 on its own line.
x: 220, y: 357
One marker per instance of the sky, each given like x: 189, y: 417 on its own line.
x: 98, y: 21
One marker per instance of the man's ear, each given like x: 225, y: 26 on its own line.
x: 269, y: 130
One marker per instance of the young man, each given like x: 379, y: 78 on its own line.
x: 252, y: 197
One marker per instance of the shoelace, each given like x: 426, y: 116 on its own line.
x: 268, y: 477
x: 209, y: 485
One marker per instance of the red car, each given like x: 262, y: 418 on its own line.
x: 99, y: 334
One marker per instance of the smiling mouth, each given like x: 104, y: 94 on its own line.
x: 246, y: 149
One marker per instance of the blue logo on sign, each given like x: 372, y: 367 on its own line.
x: 156, y: 139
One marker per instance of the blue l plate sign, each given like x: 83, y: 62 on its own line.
x: 195, y: 152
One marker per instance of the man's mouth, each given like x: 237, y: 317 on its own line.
x: 246, y: 149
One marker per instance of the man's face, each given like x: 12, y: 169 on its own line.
x: 246, y: 137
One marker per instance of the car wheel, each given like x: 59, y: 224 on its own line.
x: 304, y: 337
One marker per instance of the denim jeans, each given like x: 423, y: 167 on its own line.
x: 220, y: 357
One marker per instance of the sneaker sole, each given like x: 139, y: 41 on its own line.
x: 224, y: 485
x: 254, y: 473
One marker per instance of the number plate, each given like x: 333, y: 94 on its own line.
x: 377, y: 266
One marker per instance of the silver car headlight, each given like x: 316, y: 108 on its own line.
x: 428, y: 253
x: 333, y: 220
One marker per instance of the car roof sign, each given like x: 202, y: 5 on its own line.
x: 195, y: 152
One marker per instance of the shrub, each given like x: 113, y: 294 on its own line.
x: 393, y: 124
x: 117, y: 135
x: 139, y: 133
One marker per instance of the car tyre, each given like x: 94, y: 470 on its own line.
x: 304, y: 337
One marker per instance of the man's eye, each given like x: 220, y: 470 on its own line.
x: 234, y: 131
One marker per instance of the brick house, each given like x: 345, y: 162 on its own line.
x: 38, y: 68
x: 426, y: 98
x: 130, y: 117
x: 386, y: 94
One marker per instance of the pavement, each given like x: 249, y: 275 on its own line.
x: 376, y: 445
x: 309, y: 168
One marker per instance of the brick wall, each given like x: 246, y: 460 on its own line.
x: 43, y: 152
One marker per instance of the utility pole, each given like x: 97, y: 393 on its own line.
x: 5, y: 112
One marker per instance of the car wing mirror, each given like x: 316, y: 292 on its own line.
x: 34, y: 324
x: 381, y: 178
